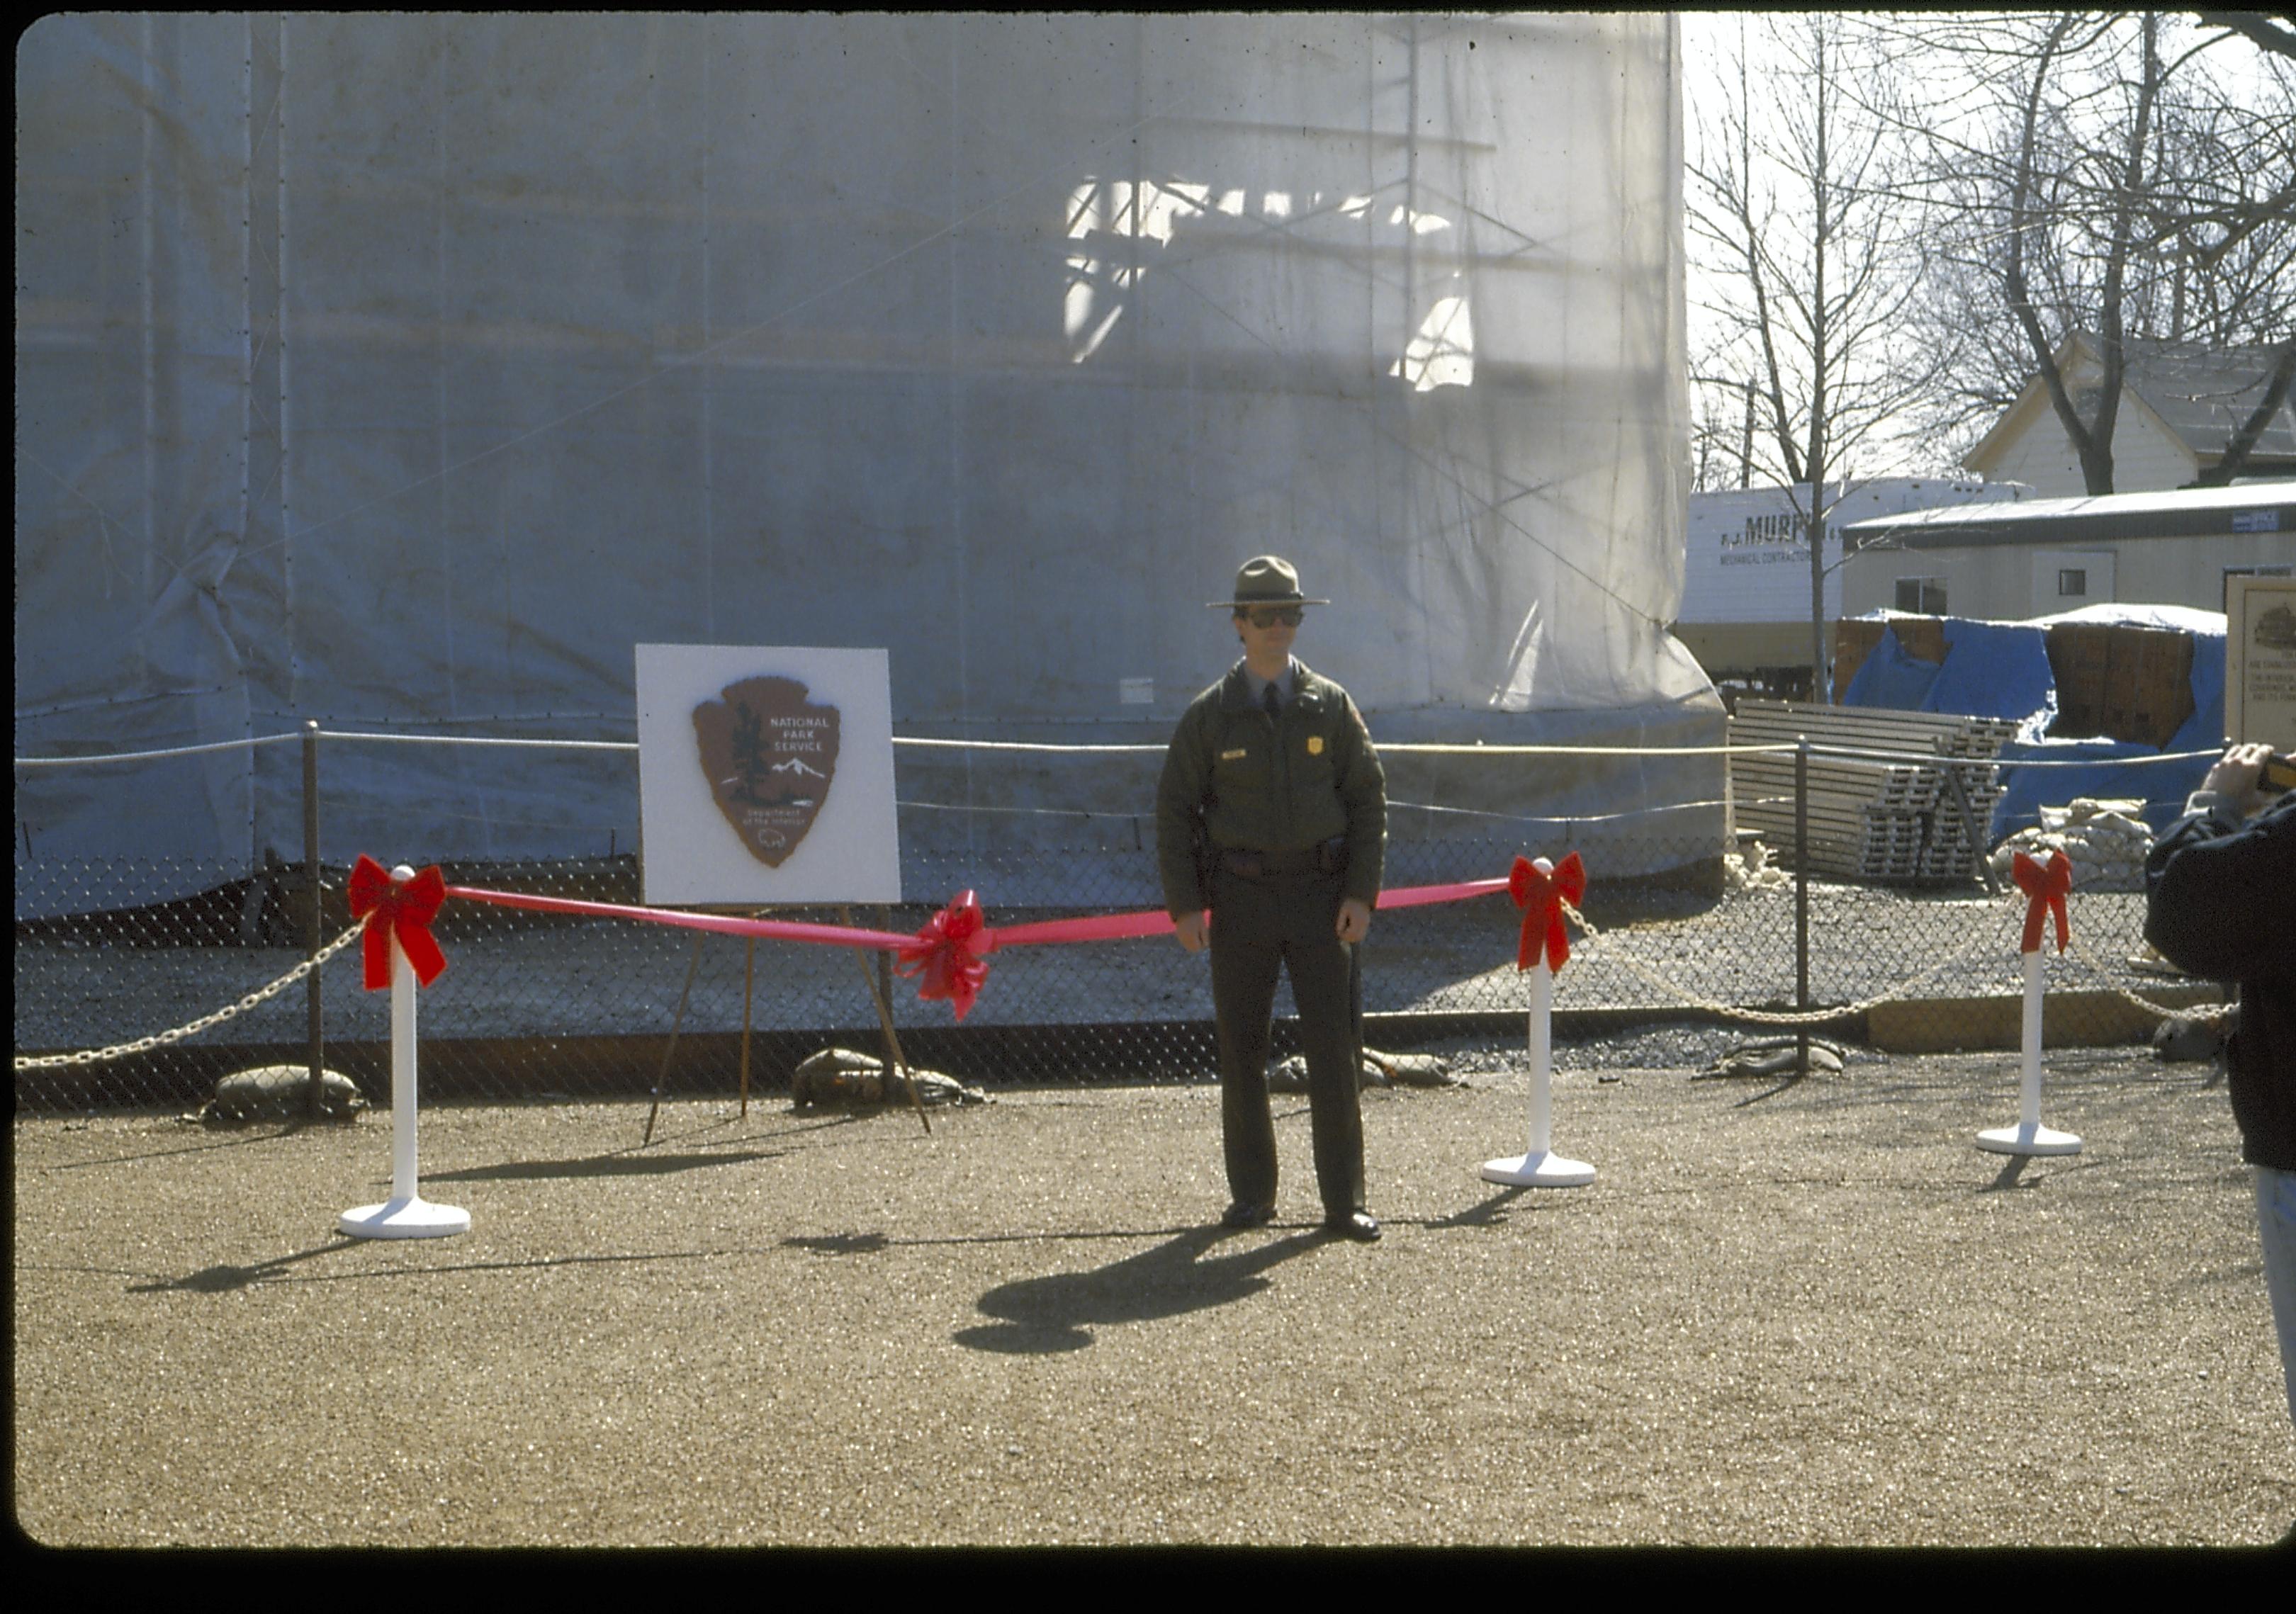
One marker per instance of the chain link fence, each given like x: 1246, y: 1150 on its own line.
x: 540, y: 1006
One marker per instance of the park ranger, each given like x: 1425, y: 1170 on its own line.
x: 1272, y: 812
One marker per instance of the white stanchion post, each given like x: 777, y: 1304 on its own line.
x: 2029, y: 1136
x: 1540, y: 1168
x: 406, y: 1213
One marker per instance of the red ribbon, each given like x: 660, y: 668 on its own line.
x: 946, y: 955
x: 950, y: 953
x: 2044, y: 885
x: 1540, y: 897
x: 406, y: 912
x: 723, y: 924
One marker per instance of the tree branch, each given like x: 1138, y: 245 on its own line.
x: 2238, y: 446
x: 2259, y: 29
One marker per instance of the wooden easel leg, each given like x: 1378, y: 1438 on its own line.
x: 675, y: 1020
x: 749, y: 976
x: 885, y: 1022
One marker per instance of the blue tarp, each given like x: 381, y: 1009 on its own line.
x: 1892, y: 676
x: 1996, y: 670
x: 2001, y: 669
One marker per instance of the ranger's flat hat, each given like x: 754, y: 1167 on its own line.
x: 1264, y: 580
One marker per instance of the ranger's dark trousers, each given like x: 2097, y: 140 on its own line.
x: 1286, y: 921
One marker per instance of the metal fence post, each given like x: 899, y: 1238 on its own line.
x: 315, y: 925
x: 1801, y: 900
x: 1977, y: 845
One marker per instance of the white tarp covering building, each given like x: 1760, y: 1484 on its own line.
x: 403, y: 371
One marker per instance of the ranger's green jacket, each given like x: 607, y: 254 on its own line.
x: 1235, y: 778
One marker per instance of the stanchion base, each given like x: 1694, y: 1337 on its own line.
x: 1545, y: 1169
x: 414, y: 1218
x: 2024, y: 1138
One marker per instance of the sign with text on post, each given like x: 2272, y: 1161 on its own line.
x: 2260, y: 660
x: 766, y: 776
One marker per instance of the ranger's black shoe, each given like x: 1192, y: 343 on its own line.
x: 1357, y: 1225
x: 1241, y: 1215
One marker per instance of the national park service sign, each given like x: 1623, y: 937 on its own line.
x: 765, y: 775
x: 769, y: 755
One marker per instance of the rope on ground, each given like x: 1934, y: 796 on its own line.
x: 92, y: 1056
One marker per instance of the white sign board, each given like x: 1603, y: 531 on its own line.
x: 766, y: 776
x: 2260, y: 660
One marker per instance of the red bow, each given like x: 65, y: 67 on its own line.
x: 947, y: 953
x: 2046, y: 883
x: 405, y: 911
x: 1540, y: 897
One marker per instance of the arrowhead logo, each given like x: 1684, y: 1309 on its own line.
x: 769, y: 755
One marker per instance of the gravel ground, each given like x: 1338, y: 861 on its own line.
x: 1782, y: 1315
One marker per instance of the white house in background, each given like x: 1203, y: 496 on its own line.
x: 2180, y: 404
x: 2008, y: 563
x: 1745, y: 598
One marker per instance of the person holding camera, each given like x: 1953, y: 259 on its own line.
x: 1272, y: 812
x: 2220, y: 903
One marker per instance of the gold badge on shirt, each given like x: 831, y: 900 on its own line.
x: 1315, y: 745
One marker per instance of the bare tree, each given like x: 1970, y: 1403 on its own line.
x: 2261, y: 29
x: 2244, y: 436
x: 1724, y: 411
x: 1814, y: 264
x: 2120, y: 178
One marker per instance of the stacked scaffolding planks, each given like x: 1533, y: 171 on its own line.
x: 1878, y: 810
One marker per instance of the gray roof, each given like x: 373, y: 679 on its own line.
x: 2262, y: 506
x: 2204, y: 394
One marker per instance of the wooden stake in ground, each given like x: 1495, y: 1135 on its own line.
x: 675, y: 1020
x: 892, y: 1038
x: 748, y: 979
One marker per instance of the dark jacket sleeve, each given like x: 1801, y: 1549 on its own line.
x: 2218, y: 894
x: 1363, y: 788
x: 1179, y: 814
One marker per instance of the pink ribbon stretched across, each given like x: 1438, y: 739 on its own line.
x: 2046, y: 885
x: 393, y: 910
x: 949, y: 955
x: 1540, y: 897
x: 1119, y: 927
x: 722, y: 924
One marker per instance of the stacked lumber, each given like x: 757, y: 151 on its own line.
x: 1889, y: 816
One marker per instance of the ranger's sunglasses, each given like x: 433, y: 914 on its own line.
x: 1268, y: 616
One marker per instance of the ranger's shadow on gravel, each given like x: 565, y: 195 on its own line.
x: 1056, y: 1311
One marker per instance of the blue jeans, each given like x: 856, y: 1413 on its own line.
x: 2276, y: 1227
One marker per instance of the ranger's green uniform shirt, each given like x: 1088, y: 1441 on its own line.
x: 1269, y: 785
